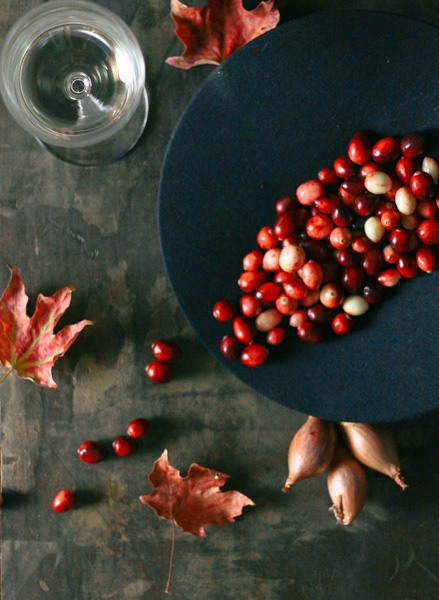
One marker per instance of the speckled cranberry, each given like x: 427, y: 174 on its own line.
x: 359, y: 148
x: 138, y: 428
x: 91, y: 452
x: 159, y: 371
x: 230, y: 347
x: 413, y: 144
x: 266, y: 238
x: 386, y: 150
x: 167, y: 350
x: 63, y: 501
x: 124, y: 445
x: 428, y: 232
x: 254, y: 355
x: 319, y: 227
x: 342, y: 323
x: 270, y: 261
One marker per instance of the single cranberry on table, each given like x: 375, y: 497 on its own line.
x: 124, y: 445
x: 63, y: 501
x: 166, y: 350
x: 254, y: 355
x: 224, y: 310
x: 138, y: 428
x: 91, y: 452
x: 230, y: 347
x: 159, y: 371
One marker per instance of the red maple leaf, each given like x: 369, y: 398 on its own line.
x: 194, y: 501
x: 211, y: 33
x: 28, y: 345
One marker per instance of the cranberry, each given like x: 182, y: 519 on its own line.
x: 292, y: 258
x: 384, y: 206
x: 230, y: 347
x: 410, y: 222
x: 342, y: 216
x: 290, y: 240
x: 270, y: 262
x: 361, y: 243
x: 373, y: 262
x: 308, y: 192
x: 138, y: 428
x: 386, y: 150
x: 389, y: 277
x: 427, y: 259
x: 405, y: 168
x: 331, y: 295
x: 390, y: 195
x: 301, y: 216
x: 366, y: 204
x: 340, y: 237
x: 389, y: 254
x: 254, y: 355
x: 267, y: 239
x: 250, y: 306
x: 378, y: 183
x: 312, y: 275
x: 314, y: 211
x: 422, y: 185
x: 267, y: 292
x: 344, y: 167
x: 285, y: 203
x: 327, y: 203
x: 124, y: 445
x: 407, y: 266
x: 413, y: 144
x: 414, y: 242
x: 63, y: 501
x: 399, y: 240
x: 319, y: 227
x: 428, y: 232
x: 252, y: 261
x: 320, y: 314
x: 342, y: 323
x: 282, y: 276
x: 316, y: 249
x: 405, y: 201
x: 298, y: 318
x: 276, y: 336
x: 374, y: 229
x: 159, y: 371
x: 352, y: 279
x: 310, y: 332
x: 268, y: 319
x: 311, y: 298
x: 348, y: 258
x: 346, y: 197
x: 285, y: 225
x: 327, y: 177
x: 427, y: 209
x: 166, y: 350
x: 286, y: 305
x: 359, y: 149
x: 295, y: 288
x: 369, y: 167
x: 391, y: 219
x: 353, y: 185
x: 355, y: 305
x: 91, y: 452
x: 244, y: 330
x: 372, y: 292
x: 430, y: 166
x: 251, y: 280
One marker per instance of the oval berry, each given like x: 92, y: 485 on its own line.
x: 230, y: 347
x: 124, y: 445
x: 166, y: 350
x: 342, y: 323
x: 359, y: 148
x: 276, y: 336
x: 386, y: 150
x: 244, y: 329
x: 159, y: 371
x: 138, y: 428
x: 428, y: 232
x: 413, y: 144
x: 254, y: 355
x: 63, y: 501
x: 224, y: 310
x: 310, y: 332
x: 91, y: 452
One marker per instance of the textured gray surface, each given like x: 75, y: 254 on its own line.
x: 97, y: 229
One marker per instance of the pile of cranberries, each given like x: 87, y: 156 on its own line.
x: 344, y: 237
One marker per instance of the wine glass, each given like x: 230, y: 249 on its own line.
x: 72, y: 74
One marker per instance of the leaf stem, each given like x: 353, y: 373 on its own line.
x: 5, y: 375
x: 172, y: 558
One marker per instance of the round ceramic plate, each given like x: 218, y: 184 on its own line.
x: 269, y: 118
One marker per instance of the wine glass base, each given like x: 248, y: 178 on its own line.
x: 110, y: 150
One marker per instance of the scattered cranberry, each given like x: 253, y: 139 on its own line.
x: 296, y: 289
x: 166, y: 350
x: 407, y: 266
x: 284, y: 204
x: 292, y: 258
x: 391, y: 219
x: 286, y: 305
x: 267, y: 292
x: 230, y: 347
x: 389, y: 277
x: 124, y: 445
x: 312, y: 275
x: 319, y: 227
x: 270, y: 262
x: 298, y: 318
x: 159, y: 371
x: 372, y: 292
x: 251, y: 280
x: 269, y: 319
x: 309, y: 191
x: 63, y: 501
x: 266, y: 238
x: 405, y: 168
x: 399, y: 240
x: 327, y: 203
x: 91, y: 452
x: 254, y: 355
x: 344, y: 167
x: 138, y: 428
x: 244, y: 329
x: 285, y: 225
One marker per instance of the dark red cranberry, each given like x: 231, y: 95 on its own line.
x: 396, y: 184
x: 358, y: 223
x: 327, y: 203
x: 63, y: 501
x: 314, y: 211
x: 166, y: 350
x: 353, y: 185
x: 407, y: 266
x: 342, y: 216
x: 285, y: 225
x: 344, y: 167
x: 284, y: 204
x: 91, y: 452
x: 386, y: 150
x: 138, y: 428
x: 254, y: 355
x: 414, y: 144
x: 399, y: 240
x: 159, y: 371
x: 301, y: 216
x: 320, y: 314
x: 346, y: 197
x: 244, y: 329
x: 372, y: 292
x: 310, y: 332
x: 342, y: 323
x: 251, y: 280
x: 427, y: 259
x: 328, y: 177
x: 348, y: 258
x: 405, y: 168
x: 384, y: 206
x: 427, y: 209
x: 359, y: 149
x: 276, y: 336
x: 422, y: 185
x: 365, y: 204
x: 230, y: 347
x: 250, y: 306
x: 369, y: 167
x: 224, y: 310
x: 267, y: 292
x: 315, y: 249
x: 124, y: 445
x: 428, y: 232
x: 352, y: 279
x: 373, y: 262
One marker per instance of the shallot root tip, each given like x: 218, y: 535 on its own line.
x: 400, y: 480
x: 337, y: 509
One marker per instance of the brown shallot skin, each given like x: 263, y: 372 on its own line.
x: 374, y: 446
x: 347, y: 486
x: 311, y: 450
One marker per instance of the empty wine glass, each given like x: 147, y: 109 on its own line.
x: 73, y: 75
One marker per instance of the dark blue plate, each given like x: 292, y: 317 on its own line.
x: 269, y: 118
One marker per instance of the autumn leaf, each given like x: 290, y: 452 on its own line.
x: 211, y: 33
x: 28, y: 346
x: 192, y: 502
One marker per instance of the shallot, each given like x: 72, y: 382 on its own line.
x: 374, y: 446
x: 311, y: 450
x: 347, y: 487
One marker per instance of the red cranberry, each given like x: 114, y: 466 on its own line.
x: 298, y: 318
x: 328, y: 177
x: 410, y: 222
x: 254, y: 355
x: 320, y: 314
x: 281, y: 276
x: 296, y: 289
x: 386, y: 150
x: 384, y: 206
x: 352, y: 279
x: 252, y: 261
x: 369, y: 167
x: 286, y: 305
x: 427, y: 209
x: 312, y: 275
x: 316, y: 249
x: 91, y: 452
x: 342, y: 216
x: 427, y: 259
x: 353, y: 185
x: 310, y: 332
x: 373, y: 262
x: 331, y: 295
x: 348, y: 258
x: 285, y: 203
x: 138, y: 428
x: 428, y: 232
x: 340, y: 237
x: 267, y: 292
x: 224, y: 310
x: 372, y: 292
x: 244, y: 330
x: 359, y: 149
x: 319, y: 227
x: 342, y: 323
x: 326, y: 203
x: 267, y: 239
x: 230, y: 347
x: 301, y: 216
x: 422, y: 185
x: 389, y: 254
x: 63, y: 501
x: 251, y: 280
x: 366, y: 204
x: 311, y: 298
x: 276, y: 336
x: 308, y: 192
x: 347, y: 198
x: 399, y: 240
x: 389, y: 277
x: 391, y: 219
x: 250, y: 306
x: 361, y: 244
x: 407, y: 266
x: 405, y: 168
x: 344, y: 167
x: 166, y: 350
x: 270, y: 262
x: 124, y: 445
x: 414, y: 144
x: 159, y: 371
x: 314, y: 211
x: 331, y: 270
x: 285, y: 225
